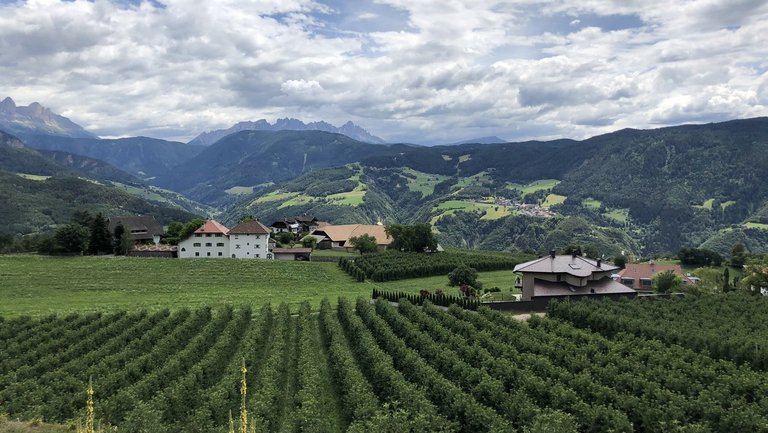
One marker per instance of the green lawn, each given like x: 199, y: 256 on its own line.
x: 333, y: 253
x: 39, y: 285
x: 505, y: 280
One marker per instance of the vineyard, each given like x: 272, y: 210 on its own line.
x: 362, y: 367
x: 394, y: 265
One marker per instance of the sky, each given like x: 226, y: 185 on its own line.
x: 418, y: 71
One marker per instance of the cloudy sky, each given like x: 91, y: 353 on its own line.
x: 418, y: 71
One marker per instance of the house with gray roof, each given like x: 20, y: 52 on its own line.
x: 141, y: 229
x: 555, y: 276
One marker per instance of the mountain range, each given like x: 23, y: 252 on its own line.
x: 36, y: 119
x: 349, y: 129
x: 637, y: 191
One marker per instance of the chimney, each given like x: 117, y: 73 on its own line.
x: 599, y: 261
x: 552, y: 253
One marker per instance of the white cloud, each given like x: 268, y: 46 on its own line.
x: 453, y: 68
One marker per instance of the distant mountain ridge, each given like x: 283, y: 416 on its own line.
x: 288, y: 124
x: 36, y: 119
x: 481, y: 140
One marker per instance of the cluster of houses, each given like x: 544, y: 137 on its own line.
x: 247, y: 240
x: 548, y: 277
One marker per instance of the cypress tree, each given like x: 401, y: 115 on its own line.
x: 100, y: 239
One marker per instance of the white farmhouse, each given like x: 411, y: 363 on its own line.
x: 210, y: 240
x: 249, y: 240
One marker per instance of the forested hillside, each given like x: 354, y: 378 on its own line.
x: 642, y: 192
x: 250, y: 159
x: 38, y: 192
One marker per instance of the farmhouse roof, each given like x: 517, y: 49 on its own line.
x: 250, y: 228
x: 212, y: 226
x: 339, y: 233
x: 142, y: 227
x: 577, y: 266
x: 636, y: 271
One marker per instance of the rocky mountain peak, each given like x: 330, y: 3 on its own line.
x: 288, y: 123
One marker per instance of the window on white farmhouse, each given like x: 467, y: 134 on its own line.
x: 197, y: 254
x: 196, y: 244
x: 257, y: 255
x: 236, y: 237
x: 208, y: 244
x: 220, y: 253
x: 257, y: 246
x: 208, y: 254
x: 219, y: 244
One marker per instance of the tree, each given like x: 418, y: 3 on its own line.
x: 738, y: 256
x: 364, y: 243
x: 72, y: 238
x: 190, y: 227
x: 553, y: 422
x: 173, y: 233
x: 726, y: 280
x: 121, y: 241
x: 412, y: 238
x: 620, y: 261
x: 285, y: 239
x: 100, y: 240
x: 666, y: 282
x: 755, y: 276
x: 464, y: 275
x: 82, y: 218
x: 309, y: 242
x: 572, y: 249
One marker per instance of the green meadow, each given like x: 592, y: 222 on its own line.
x: 41, y: 285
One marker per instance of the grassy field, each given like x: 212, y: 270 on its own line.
x: 591, y: 203
x: 553, y: 199
x: 238, y: 190
x: 490, y: 211
x: 38, y: 285
x: 757, y: 226
x: 423, y: 182
x: 619, y: 215
x: 41, y: 285
x: 505, y: 280
x: 537, y: 185
x: 33, y: 176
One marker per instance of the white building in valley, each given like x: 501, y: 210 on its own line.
x: 248, y: 240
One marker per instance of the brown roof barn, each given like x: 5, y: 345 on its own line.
x: 140, y: 228
x: 337, y: 236
x: 639, y: 276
